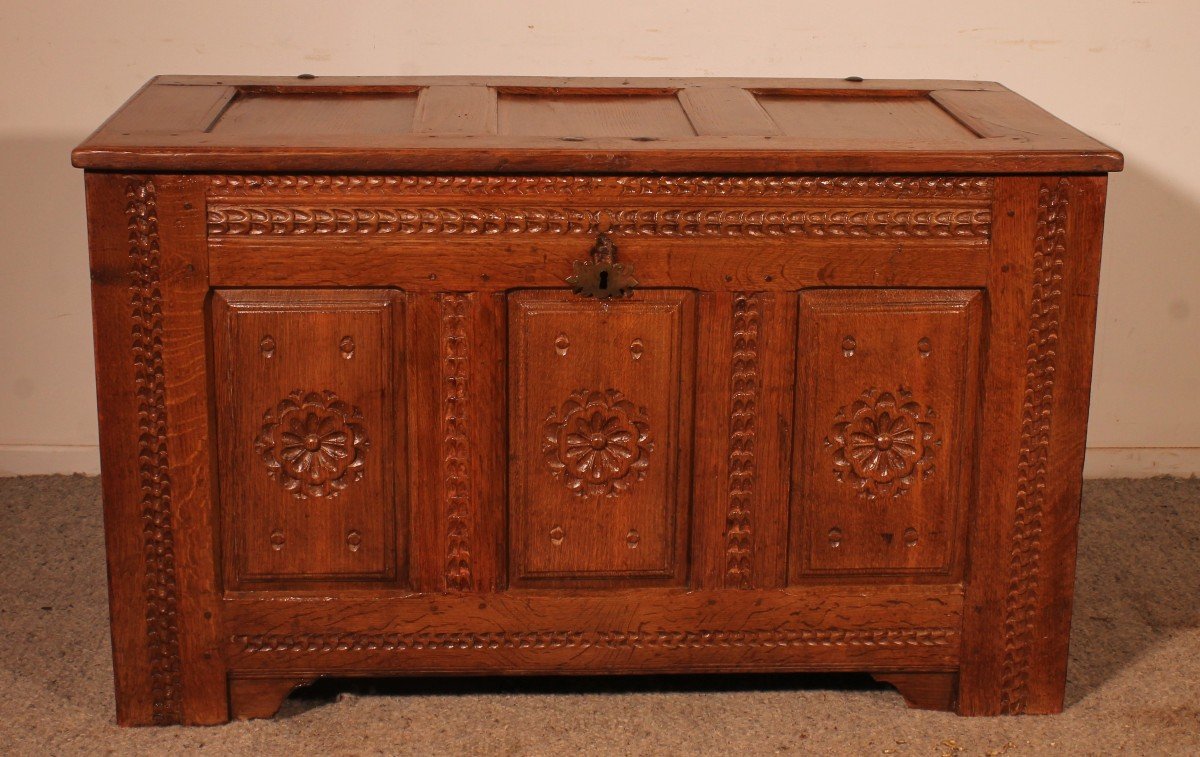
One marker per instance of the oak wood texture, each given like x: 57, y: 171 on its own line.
x: 600, y: 437
x: 924, y: 691
x: 457, y: 438
x: 332, y: 446
x: 359, y: 423
x: 261, y: 696
x: 482, y: 124
x: 620, y: 631
x: 1045, y: 278
x: 889, y: 408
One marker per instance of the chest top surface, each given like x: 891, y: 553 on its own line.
x: 582, y: 125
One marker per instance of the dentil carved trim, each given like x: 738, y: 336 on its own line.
x: 888, y: 187
x: 313, y: 444
x: 470, y: 186
x: 744, y: 395
x: 325, y: 643
x: 1049, y: 251
x: 882, y: 442
x: 456, y: 455
x: 891, y: 187
x: 597, y: 443
x: 162, y: 632
x: 945, y: 223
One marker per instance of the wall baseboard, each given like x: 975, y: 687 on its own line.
x: 1141, y: 462
x: 38, y: 459
x: 1101, y: 462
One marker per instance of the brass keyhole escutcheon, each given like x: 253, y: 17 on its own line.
x: 601, y: 276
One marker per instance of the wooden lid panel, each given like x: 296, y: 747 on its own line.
x: 286, y: 115
x: 886, y: 119
x: 514, y: 125
x: 578, y: 115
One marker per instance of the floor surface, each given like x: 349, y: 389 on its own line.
x: 1134, y: 680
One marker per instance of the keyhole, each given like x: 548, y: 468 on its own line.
x: 604, y: 280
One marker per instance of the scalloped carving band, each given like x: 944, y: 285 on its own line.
x: 162, y: 631
x: 456, y: 445
x: 319, y: 643
x: 892, y: 187
x: 938, y: 223
x: 744, y: 389
x: 1021, y: 602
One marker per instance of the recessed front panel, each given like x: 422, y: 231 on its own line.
x: 885, y: 421
x: 600, y: 436
x: 307, y: 417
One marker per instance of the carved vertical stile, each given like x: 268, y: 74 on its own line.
x: 162, y: 631
x: 456, y: 464
x: 1025, y: 561
x: 744, y: 399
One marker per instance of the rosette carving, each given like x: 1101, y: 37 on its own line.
x: 313, y: 444
x: 882, y: 442
x: 597, y: 443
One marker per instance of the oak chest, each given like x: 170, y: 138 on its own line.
x: 461, y: 376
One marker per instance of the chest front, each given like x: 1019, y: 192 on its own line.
x: 560, y: 419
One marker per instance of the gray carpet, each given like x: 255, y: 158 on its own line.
x: 1134, y: 677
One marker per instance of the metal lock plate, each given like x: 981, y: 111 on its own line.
x: 602, y: 277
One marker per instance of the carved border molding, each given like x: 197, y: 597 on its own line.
x: 894, y: 187
x: 456, y: 457
x: 744, y: 397
x: 944, y: 223
x: 1025, y: 562
x: 470, y: 186
x: 162, y: 632
x: 325, y: 643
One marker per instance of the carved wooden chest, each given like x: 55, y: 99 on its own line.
x: 434, y: 376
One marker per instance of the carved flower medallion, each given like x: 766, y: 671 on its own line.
x: 597, y: 443
x: 313, y: 444
x: 882, y: 442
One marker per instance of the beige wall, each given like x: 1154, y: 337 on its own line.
x: 1126, y: 71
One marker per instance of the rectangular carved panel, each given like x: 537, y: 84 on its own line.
x: 885, y: 418
x: 308, y: 414
x: 600, y: 437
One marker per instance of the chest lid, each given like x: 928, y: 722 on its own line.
x: 578, y: 125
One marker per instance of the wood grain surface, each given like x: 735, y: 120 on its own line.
x: 363, y: 417
x: 597, y: 125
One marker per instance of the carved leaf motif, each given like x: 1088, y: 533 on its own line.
x: 162, y: 633
x: 597, y: 443
x: 313, y: 444
x: 947, y: 221
x: 1021, y: 601
x: 882, y: 442
x: 745, y: 386
x: 892, y: 187
x: 662, y: 639
x: 456, y: 466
